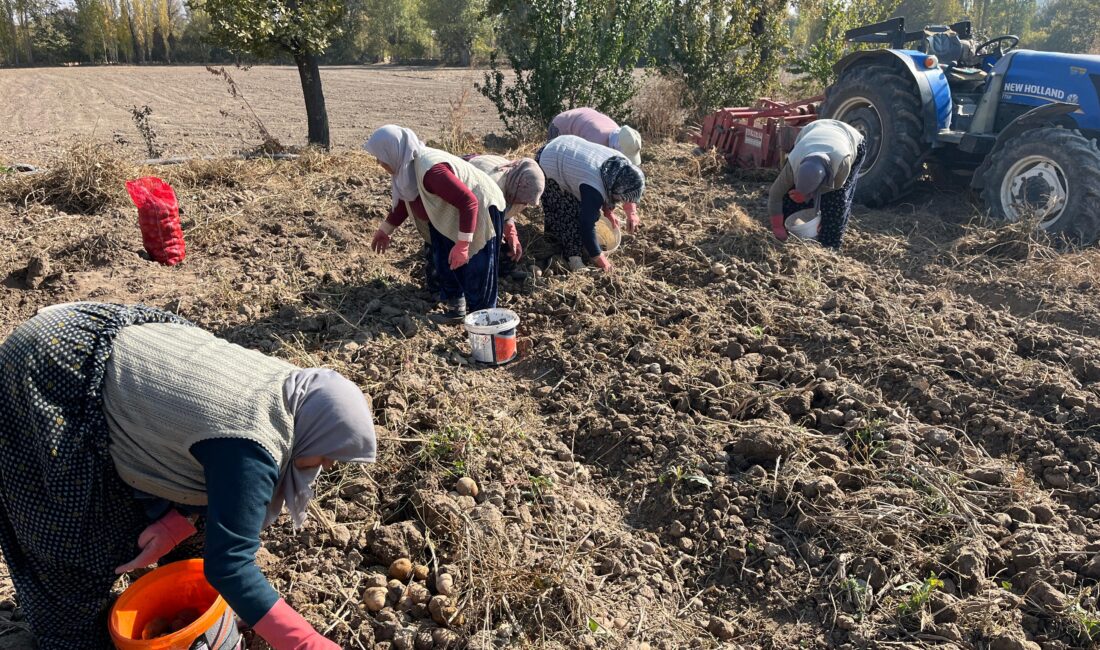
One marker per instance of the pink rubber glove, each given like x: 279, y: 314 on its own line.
x: 798, y: 197
x: 610, y: 214
x: 604, y: 263
x: 380, y: 242
x: 779, y: 228
x: 632, y: 218
x: 511, y: 237
x: 285, y: 629
x: 460, y: 254
x: 157, y: 539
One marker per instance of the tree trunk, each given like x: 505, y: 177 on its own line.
x: 316, y: 115
x: 133, y: 34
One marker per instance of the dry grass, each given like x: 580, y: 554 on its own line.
x: 455, y: 136
x: 658, y: 111
x: 86, y: 179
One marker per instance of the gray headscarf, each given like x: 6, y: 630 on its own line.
x: 331, y: 419
x: 812, y: 173
x: 623, y: 181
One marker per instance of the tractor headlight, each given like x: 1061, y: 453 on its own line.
x: 930, y: 62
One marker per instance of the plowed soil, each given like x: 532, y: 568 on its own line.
x: 728, y: 442
x: 194, y: 113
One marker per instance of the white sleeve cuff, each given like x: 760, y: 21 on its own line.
x: 465, y: 236
x: 386, y: 227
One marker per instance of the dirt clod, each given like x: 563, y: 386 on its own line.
x: 400, y: 540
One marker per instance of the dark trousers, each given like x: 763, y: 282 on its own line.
x: 477, y: 279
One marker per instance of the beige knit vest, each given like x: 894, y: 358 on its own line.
x: 443, y: 215
x: 168, y: 387
x: 835, y: 139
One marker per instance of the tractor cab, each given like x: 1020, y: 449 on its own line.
x: 965, y: 72
x: 966, y: 65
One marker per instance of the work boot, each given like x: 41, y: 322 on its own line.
x: 455, y: 310
x: 576, y: 263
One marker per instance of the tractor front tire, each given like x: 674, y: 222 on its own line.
x: 1031, y: 168
x: 883, y: 104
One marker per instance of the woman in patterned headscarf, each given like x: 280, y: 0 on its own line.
x: 122, y: 424
x: 583, y: 179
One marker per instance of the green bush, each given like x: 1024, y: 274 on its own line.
x: 823, y: 23
x: 727, y: 51
x: 566, y: 54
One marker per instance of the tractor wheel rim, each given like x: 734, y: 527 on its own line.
x: 861, y: 113
x: 1035, y: 186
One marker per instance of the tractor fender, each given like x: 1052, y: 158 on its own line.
x: 935, y: 94
x: 1038, y: 116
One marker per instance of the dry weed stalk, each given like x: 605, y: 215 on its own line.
x: 455, y: 137
x: 269, y: 144
x: 140, y: 117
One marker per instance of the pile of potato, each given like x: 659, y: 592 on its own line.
x: 162, y: 626
x: 406, y: 589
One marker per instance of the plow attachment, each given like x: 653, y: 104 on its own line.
x: 757, y: 136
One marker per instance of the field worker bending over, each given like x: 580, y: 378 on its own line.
x: 119, y: 424
x: 582, y: 179
x: 820, y: 173
x: 592, y: 125
x: 522, y: 183
x: 464, y: 209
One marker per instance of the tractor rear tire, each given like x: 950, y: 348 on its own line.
x: 1067, y: 157
x: 885, y: 106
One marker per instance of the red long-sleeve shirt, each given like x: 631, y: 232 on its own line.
x: 441, y: 181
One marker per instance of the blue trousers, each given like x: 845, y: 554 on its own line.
x: 477, y: 279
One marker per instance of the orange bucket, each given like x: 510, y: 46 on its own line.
x: 165, y: 592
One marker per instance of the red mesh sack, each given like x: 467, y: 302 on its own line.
x: 159, y: 218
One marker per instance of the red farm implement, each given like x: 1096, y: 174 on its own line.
x: 757, y: 136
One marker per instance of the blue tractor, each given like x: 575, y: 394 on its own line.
x: 1022, y: 124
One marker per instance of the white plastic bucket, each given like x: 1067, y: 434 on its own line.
x: 608, y: 236
x: 492, y: 335
x: 804, y: 223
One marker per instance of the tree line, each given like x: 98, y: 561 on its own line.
x: 560, y: 53
x: 466, y: 32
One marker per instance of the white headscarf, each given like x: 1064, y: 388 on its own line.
x: 397, y: 147
x: 331, y: 419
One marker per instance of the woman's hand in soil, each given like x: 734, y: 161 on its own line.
x: 511, y: 237
x: 460, y: 254
x: 285, y: 629
x: 604, y: 263
x: 610, y: 214
x: 779, y: 229
x: 380, y: 242
x: 633, y: 220
x: 159, y: 538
